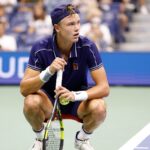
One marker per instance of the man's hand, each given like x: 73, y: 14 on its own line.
x: 57, y: 64
x: 64, y: 93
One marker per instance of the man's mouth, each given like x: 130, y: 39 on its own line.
x: 76, y: 35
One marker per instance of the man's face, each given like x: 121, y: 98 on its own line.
x: 69, y: 28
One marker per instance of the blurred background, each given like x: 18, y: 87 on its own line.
x: 121, y: 31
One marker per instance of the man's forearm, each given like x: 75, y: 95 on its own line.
x: 31, y: 85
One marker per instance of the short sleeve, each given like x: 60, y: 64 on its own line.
x: 34, y: 61
x: 94, y: 59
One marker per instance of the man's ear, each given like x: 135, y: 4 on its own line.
x: 56, y: 27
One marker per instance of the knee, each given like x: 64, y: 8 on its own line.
x: 99, y: 110
x: 31, y: 104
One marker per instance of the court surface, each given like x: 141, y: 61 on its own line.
x: 127, y: 123
x: 140, y: 141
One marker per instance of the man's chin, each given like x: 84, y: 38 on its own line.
x: 75, y: 39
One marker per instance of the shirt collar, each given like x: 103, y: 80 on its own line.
x: 73, y: 52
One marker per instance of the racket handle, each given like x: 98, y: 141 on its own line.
x: 59, y: 78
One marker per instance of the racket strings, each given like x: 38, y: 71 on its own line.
x: 54, y: 136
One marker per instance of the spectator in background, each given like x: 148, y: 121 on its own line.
x: 9, y: 5
x: 111, y: 17
x: 97, y: 31
x: 3, y: 12
x: 21, y: 17
x: 41, y: 24
x: 53, y: 3
x: 8, y: 2
x: 127, y: 8
x: 85, y: 7
x: 125, y: 14
x: 7, y: 42
x: 141, y: 5
x: 97, y: 34
x: 5, y: 16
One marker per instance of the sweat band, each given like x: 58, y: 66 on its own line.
x: 80, y: 95
x: 45, y: 75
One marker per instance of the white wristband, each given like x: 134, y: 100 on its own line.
x: 80, y: 95
x: 45, y: 75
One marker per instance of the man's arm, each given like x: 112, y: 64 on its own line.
x: 101, y: 88
x: 31, y: 82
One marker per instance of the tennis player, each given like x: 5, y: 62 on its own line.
x: 66, y: 50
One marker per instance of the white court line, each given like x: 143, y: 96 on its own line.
x: 142, y: 148
x: 137, y: 139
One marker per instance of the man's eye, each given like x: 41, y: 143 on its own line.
x: 71, y: 24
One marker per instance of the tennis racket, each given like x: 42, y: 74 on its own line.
x: 54, y: 130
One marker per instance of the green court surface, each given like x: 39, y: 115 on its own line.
x: 128, y: 112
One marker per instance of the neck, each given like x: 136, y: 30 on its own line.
x: 63, y: 45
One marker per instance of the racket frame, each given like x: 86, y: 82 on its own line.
x: 59, y: 117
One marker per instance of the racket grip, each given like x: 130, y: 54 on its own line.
x: 59, y: 78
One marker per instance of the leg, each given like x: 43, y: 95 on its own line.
x: 93, y: 113
x: 37, y: 108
